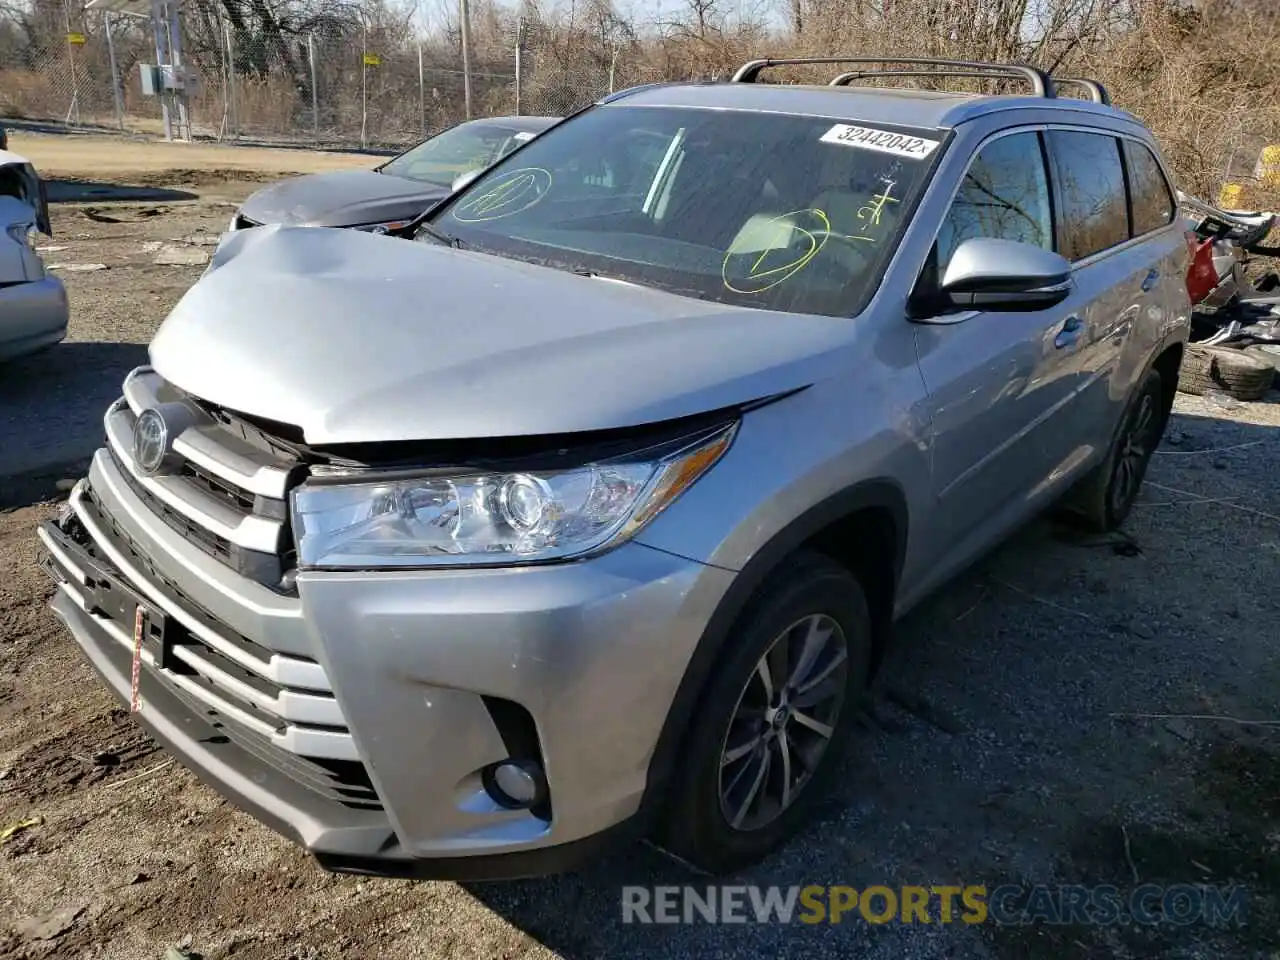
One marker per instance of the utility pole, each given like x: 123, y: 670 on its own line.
x: 116, y: 96
x: 466, y: 54
x: 519, y: 65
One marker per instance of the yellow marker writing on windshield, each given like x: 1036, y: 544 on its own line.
x: 873, y: 210
x: 514, y: 193
x: 758, y: 280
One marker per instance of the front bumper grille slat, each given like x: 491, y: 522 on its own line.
x: 117, y: 550
x: 121, y: 541
x: 301, y: 722
x: 266, y: 569
x: 278, y: 705
x: 344, y: 781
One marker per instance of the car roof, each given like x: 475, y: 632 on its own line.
x: 913, y: 108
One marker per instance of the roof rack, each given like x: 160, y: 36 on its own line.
x: 844, y: 79
x: 1097, y: 92
x: 1041, y: 83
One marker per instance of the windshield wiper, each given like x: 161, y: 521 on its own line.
x: 438, y: 235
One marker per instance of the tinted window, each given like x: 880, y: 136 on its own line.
x: 458, y: 150
x: 1095, y: 212
x: 1149, y: 193
x: 1004, y: 195
x: 784, y: 212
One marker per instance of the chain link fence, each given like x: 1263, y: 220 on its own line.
x: 339, y: 82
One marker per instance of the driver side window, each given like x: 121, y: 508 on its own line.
x: 1004, y: 196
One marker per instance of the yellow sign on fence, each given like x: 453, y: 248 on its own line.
x: 372, y: 60
x: 1268, y: 168
x: 76, y: 39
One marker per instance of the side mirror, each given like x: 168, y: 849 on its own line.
x: 462, y: 179
x: 989, y: 274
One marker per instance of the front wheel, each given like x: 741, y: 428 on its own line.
x: 774, y: 718
x: 1103, y: 499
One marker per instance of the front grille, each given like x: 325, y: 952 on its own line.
x: 223, y: 487
x: 267, y: 569
x: 124, y: 544
x: 235, y: 496
x: 229, y: 681
x: 244, y: 223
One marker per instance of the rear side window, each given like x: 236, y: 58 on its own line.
x: 1004, y: 196
x: 1149, y: 193
x: 1095, y: 213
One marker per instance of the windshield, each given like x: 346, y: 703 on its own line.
x: 458, y: 150
x: 788, y: 213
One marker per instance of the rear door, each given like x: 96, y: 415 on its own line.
x: 1122, y: 263
x: 996, y: 380
x: 1093, y: 233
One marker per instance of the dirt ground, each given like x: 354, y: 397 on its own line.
x: 1073, y: 711
x: 91, y: 155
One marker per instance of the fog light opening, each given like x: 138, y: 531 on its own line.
x: 516, y: 784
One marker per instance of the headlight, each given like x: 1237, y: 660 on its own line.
x: 494, y: 518
x: 381, y: 227
x: 235, y: 221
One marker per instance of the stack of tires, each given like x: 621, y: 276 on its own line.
x: 1246, y: 374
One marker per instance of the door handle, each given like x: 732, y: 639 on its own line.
x: 1150, y: 280
x: 1069, y: 333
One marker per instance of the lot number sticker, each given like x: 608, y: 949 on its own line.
x: 882, y: 141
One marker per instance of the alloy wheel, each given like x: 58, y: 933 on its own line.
x: 1136, y: 448
x: 783, y: 722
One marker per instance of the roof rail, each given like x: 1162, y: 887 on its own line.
x: 1041, y: 83
x: 844, y: 79
x: 628, y: 91
x: 1097, y: 92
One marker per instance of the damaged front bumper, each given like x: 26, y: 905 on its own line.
x: 368, y: 752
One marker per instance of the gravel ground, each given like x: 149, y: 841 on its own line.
x: 1000, y: 747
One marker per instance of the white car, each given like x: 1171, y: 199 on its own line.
x: 33, y: 302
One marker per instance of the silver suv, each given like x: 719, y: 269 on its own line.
x: 587, y: 510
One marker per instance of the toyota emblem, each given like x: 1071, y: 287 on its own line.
x: 150, y: 441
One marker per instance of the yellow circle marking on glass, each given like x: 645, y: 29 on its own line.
x: 514, y: 193
x: 760, y: 280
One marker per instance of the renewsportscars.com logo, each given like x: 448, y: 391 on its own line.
x: 1006, y: 904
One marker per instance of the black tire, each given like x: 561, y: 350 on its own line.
x: 1102, y: 500
x: 1224, y: 370
x: 1268, y: 353
x: 695, y: 825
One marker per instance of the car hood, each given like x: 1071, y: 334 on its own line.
x: 356, y: 337
x: 342, y: 198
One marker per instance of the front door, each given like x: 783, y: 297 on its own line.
x: 996, y: 380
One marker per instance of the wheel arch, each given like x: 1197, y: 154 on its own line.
x: 830, y: 527
x: 1167, y: 363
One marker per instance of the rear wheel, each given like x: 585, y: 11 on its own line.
x: 774, y: 718
x: 1103, y: 499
